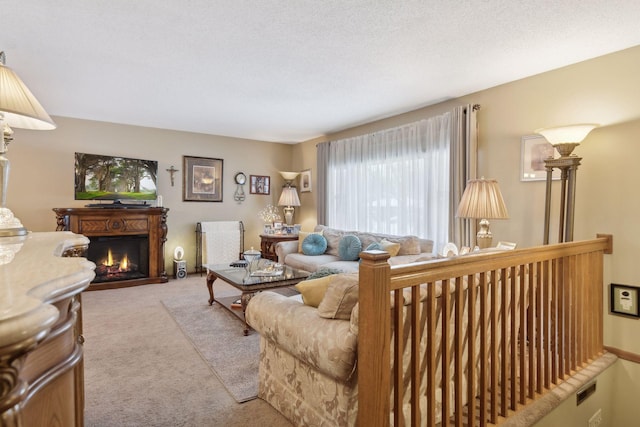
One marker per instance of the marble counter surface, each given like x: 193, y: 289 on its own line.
x: 33, y: 275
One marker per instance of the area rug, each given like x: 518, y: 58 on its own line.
x: 218, y: 336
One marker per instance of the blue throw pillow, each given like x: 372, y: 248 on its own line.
x: 375, y: 246
x: 349, y: 248
x: 314, y: 244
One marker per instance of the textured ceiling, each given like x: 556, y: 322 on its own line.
x: 291, y: 70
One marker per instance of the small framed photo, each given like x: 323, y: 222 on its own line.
x: 535, y: 149
x: 268, y: 229
x: 305, y: 181
x: 202, y: 179
x: 277, y: 226
x: 259, y: 184
x: 287, y: 229
x: 624, y: 300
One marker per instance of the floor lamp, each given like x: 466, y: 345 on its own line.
x: 20, y: 109
x: 564, y: 139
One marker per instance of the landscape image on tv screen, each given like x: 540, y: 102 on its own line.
x: 100, y: 177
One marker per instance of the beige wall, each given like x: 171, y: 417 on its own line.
x: 42, y: 174
x: 604, y: 90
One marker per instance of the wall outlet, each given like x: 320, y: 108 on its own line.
x: 596, y: 419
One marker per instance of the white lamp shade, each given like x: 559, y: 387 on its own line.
x: 567, y: 134
x: 289, y: 176
x: 21, y: 109
x: 289, y: 197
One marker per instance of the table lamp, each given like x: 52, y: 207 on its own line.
x: 289, y: 198
x: 482, y: 200
x: 20, y: 109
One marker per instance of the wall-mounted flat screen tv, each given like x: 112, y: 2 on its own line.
x: 100, y: 177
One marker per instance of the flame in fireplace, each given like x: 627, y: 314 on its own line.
x: 122, y: 264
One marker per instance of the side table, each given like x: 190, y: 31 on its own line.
x: 268, y: 244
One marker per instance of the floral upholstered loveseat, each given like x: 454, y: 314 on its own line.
x: 403, y: 250
x: 307, y: 362
x: 308, y: 350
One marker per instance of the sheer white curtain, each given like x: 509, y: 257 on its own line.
x: 395, y: 181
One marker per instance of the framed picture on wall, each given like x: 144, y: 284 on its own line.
x: 535, y: 149
x: 259, y: 184
x: 624, y: 300
x: 305, y: 181
x: 202, y: 179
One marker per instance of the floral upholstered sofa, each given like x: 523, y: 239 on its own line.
x: 403, y: 249
x: 307, y: 365
x: 308, y: 350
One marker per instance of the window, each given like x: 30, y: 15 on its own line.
x: 394, y: 181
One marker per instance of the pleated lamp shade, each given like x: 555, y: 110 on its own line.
x: 482, y: 199
x: 20, y: 108
x: 289, y: 197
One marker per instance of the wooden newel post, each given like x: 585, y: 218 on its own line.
x: 374, y: 329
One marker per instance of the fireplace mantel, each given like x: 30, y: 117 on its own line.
x: 101, y: 222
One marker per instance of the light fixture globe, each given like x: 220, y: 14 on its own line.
x: 566, y: 138
x: 289, y: 176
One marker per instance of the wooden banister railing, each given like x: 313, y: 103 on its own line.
x: 469, y: 340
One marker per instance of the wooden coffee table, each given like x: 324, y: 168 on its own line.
x: 248, y: 285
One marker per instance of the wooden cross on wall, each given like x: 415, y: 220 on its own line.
x: 172, y: 171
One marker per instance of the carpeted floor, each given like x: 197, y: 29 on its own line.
x: 142, y: 370
x: 217, y: 336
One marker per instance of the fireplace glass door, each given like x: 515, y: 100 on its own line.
x: 119, y: 257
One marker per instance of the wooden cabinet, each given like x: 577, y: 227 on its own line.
x: 41, y: 364
x: 268, y: 244
x: 101, y: 222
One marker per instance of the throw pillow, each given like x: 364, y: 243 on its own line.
x: 374, y: 247
x: 333, y: 240
x: 340, y: 298
x: 391, y: 247
x: 409, y: 245
x: 303, y: 235
x: 313, y: 290
x: 322, y: 272
x: 349, y: 248
x: 314, y: 244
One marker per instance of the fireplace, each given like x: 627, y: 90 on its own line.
x: 119, y: 257
x: 127, y: 245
